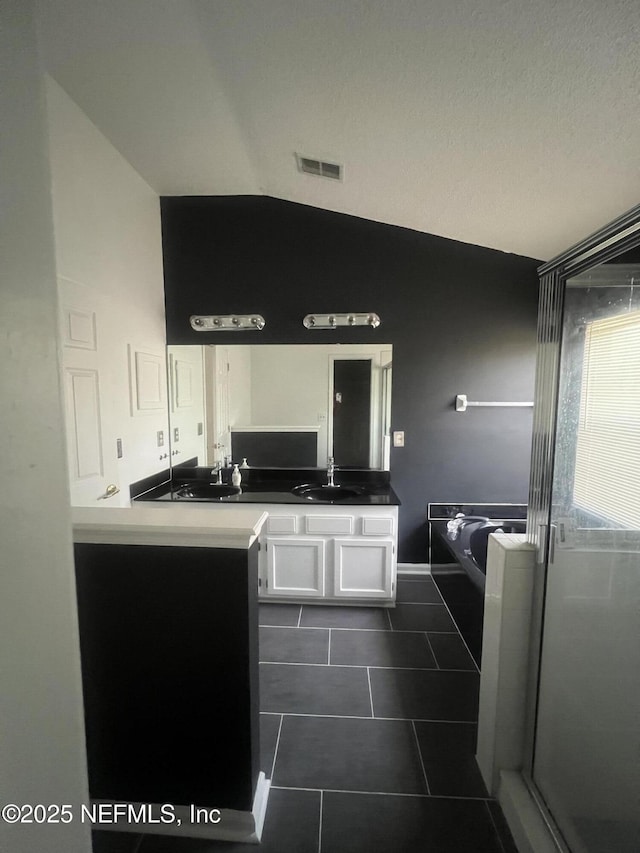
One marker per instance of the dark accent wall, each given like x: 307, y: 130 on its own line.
x: 461, y: 319
x: 275, y: 449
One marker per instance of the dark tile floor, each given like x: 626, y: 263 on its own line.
x: 368, y: 730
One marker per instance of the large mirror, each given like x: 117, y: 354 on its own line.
x: 285, y: 406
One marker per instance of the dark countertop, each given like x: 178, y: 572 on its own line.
x: 273, y: 486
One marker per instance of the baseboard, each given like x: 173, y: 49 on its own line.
x: 194, y: 821
x: 414, y: 569
x: 528, y: 827
x: 260, y: 802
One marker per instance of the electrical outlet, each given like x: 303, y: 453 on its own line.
x: 176, y: 434
x: 160, y: 438
x: 398, y: 438
x: 119, y: 448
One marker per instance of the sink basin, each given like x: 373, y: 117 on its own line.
x: 326, y: 493
x: 206, y: 491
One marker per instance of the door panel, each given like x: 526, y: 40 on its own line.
x: 295, y: 566
x: 587, y: 735
x: 363, y: 568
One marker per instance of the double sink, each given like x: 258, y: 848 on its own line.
x: 307, y: 491
x: 304, y: 485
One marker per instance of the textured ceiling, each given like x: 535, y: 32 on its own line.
x: 505, y: 123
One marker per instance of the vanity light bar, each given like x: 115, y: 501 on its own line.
x: 332, y: 321
x: 227, y: 323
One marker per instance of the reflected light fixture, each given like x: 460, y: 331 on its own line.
x: 332, y: 321
x: 227, y: 322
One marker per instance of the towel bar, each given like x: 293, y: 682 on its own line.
x: 462, y: 404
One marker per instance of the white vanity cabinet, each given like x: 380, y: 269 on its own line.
x: 329, y: 553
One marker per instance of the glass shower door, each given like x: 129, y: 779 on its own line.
x: 586, y: 762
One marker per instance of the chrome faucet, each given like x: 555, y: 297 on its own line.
x: 217, y: 470
x: 330, y: 469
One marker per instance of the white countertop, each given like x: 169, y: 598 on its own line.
x: 236, y: 527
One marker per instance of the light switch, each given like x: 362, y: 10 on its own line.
x: 176, y: 434
x: 160, y: 438
x: 398, y: 438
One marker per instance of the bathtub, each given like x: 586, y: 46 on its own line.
x: 468, y: 538
x: 462, y: 532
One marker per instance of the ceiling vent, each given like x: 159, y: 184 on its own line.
x: 319, y: 168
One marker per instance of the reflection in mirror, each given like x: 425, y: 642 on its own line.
x: 281, y: 405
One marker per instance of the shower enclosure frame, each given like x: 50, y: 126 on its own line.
x: 613, y: 239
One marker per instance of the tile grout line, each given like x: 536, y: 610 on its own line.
x: 369, y: 630
x: 435, y: 668
x: 296, y: 627
x: 329, y: 649
x: 361, y: 717
x: 320, y: 822
x: 476, y: 667
x: 389, y: 618
x: 426, y: 634
x: 385, y: 794
x: 495, y: 827
x: 275, y: 751
x: 370, y: 693
x: 299, y: 617
x: 440, y: 594
x: 424, y: 771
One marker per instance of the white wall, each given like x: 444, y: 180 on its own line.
x: 109, y: 259
x: 240, y: 403
x: 291, y: 388
x: 186, y: 393
x: 42, y: 752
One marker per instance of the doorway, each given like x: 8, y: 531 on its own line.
x: 351, y: 412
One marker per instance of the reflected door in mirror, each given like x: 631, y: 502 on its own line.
x: 351, y: 412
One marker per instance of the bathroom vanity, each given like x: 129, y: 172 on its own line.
x: 327, y: 544
x: 329, y: 553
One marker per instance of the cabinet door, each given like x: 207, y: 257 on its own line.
x: 363, y: 568
x: 295, y: 566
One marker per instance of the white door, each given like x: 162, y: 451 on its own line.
x: 295, y: 566
x: 363, y: 568
x: 91, y: 436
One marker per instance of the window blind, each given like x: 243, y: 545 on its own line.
x: 607, y: 470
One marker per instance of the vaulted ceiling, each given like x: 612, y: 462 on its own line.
x: 512, y: 124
